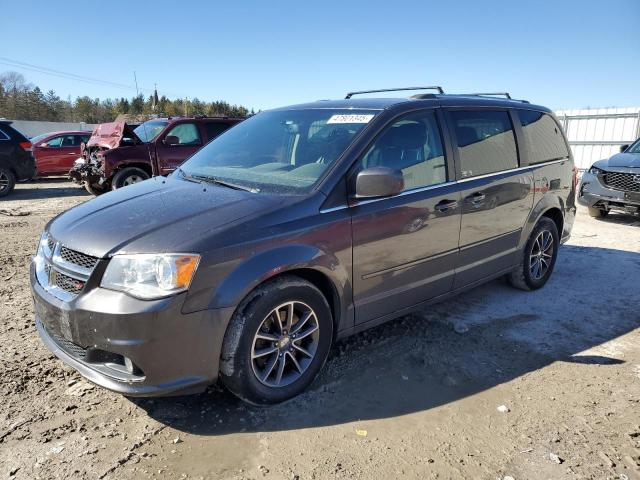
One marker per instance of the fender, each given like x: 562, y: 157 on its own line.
x: 546, y: 203
x: 267, y: 264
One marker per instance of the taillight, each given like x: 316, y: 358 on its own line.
x: 26, y: 146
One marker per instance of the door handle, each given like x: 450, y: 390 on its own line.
x: 476, y: 198
x: 446, y: 205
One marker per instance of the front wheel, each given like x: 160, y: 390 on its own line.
x: 128, y: 176
x: 598, y: 212
x: 94, y: 188
x: 277, y: 341
x: 539, y: 257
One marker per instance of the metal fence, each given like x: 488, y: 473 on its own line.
x: 32, y: 128
x: 598, y: 133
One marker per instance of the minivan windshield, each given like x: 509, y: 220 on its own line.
x: 150, y: 130
x: 279, y: 151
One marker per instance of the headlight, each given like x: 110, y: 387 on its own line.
x: 43, y: 247
x: 150, y: 276
x: 595, y: 170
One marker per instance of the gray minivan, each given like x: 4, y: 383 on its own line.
x: 295, y: 228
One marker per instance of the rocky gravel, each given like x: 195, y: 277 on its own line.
x: 496, y: 384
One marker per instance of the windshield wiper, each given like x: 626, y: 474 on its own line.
x: 224, y: 183
x: 184, y: 175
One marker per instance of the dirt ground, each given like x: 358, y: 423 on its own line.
x: 415, y: 398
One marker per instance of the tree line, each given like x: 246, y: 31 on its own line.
x: 21, y: 100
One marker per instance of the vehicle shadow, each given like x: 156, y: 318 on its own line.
x: 621, y: 219
x: 37, y: 189
x: 480, y: 339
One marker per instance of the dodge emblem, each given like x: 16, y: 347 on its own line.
x: 635, y: 179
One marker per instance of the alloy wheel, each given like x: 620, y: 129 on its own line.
x: 541, y: 255
x: 285, y: 344
x: 4, y: 181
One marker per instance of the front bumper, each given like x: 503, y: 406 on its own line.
x: 593, y: 193
x: 131, y: 346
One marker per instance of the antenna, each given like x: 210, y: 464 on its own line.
x: 144, y: 126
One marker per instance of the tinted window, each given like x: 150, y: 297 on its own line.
x: 543, y: 137
x: 215, y: 129
x: 413, y: 146
x: 187, y: 134
x: 486, y: 142
x: 82, y: 139
x: 69, y: 141
x: 3, y: 136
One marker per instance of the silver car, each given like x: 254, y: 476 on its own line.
x: 613, y: 184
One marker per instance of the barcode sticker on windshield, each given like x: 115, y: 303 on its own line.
x: 349, y: 119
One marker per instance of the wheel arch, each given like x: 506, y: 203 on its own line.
x: 310, y: 263
x: 133, y: 163
x: 549, y: 206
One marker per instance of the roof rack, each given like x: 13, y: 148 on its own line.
x: 351, y: 94
x: 493, y: 94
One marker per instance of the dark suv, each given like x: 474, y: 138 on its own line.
x: 613, y: 184
x: 16, y: 161
x: 295, y: 228
x: 118, y: 155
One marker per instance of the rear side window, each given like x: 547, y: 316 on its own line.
x: 412, y: 145
x: 543, y: 137
x: 486, y: 142
x: 215, y: 129
x: 3, y: 136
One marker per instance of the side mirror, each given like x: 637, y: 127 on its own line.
x: 171, y: 140
x: 379, y: 182
x: 623, y: 148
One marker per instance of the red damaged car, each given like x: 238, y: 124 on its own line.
x: 118, y: 155
x: 56, y: 152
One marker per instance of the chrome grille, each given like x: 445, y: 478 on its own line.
x: 63, y: 272
x: 77, y: 258
x: 628, y: 182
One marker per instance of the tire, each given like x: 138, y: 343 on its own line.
x: 128, y: 176
x: 94, y: 189
x: 526, y: 276
x: 250, y: 364
x: 597, y: 212
x: 7, y: 181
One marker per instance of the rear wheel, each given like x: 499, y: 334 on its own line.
x: 7, y: 181
x: 128, y: 176
x: 277, y: 341
x: 598, y: 212
x: 539, y: 257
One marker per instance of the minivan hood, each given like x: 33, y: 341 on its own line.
x: 159, y: 215
x: 109, y: 135
x: 629, y: 160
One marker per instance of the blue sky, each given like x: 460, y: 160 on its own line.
x: 263, y: 54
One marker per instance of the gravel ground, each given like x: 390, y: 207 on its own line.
x: 416, y: 398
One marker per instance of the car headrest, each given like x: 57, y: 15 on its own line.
x: 408, y: 136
